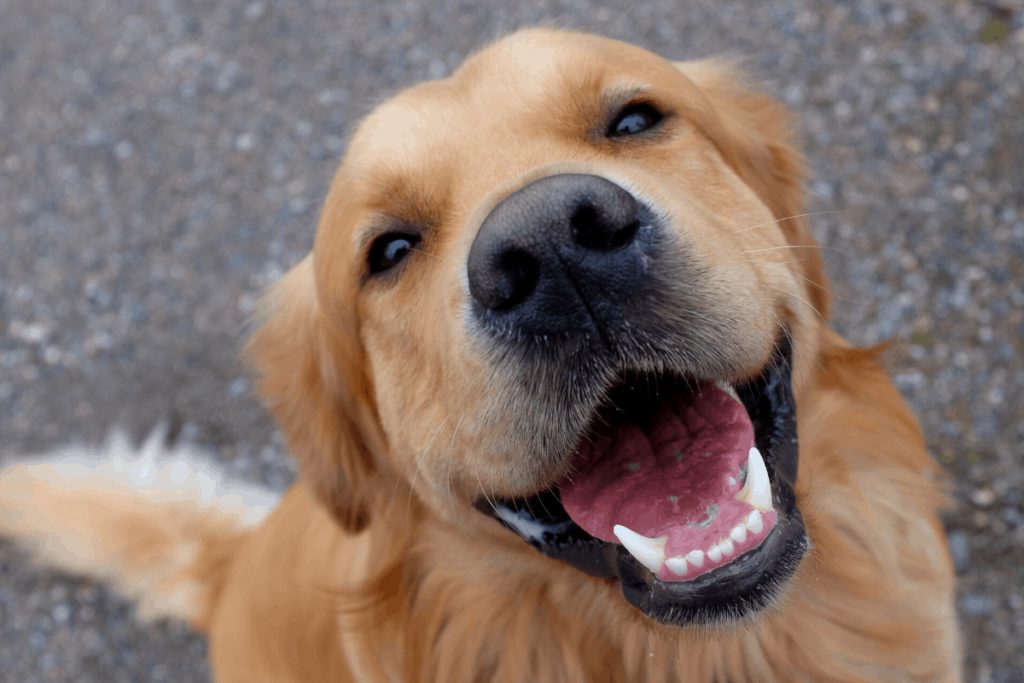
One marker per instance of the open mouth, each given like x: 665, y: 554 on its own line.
x: 683, y: 492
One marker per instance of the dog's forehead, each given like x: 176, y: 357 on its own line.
x: 513, y: 80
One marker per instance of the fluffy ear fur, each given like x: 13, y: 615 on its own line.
x: 303, y: 363
x: 752, y: 132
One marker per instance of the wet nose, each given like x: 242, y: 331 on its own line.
x: 558, y: 253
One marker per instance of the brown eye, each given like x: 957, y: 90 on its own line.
x: 387, y: 251
x: 633, y: 119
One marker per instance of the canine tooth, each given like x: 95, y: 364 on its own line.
x: 695, y: 558
x: 755, y: 522
x: 676, y: 565
x: 650, y: 552
x: 727, y: 388
x: 726, y: 547
x: 757, y: 489
x: 714, y: 554
x: 738, y: 533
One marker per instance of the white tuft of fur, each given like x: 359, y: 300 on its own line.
x: 183, y: 472
x: 139, y: 518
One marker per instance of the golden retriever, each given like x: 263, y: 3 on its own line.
x: 566, y: 406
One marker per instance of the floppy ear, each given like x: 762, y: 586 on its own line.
x: 308, y: 378
x: 753, y: 134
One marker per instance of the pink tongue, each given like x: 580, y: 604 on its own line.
x: 677, y: 478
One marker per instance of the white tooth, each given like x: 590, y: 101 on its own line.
x: 732, y: 481
x: 727, y: 388
x: 757, y: 489
x: 650, y: 552
x: 738, y: 533
x: 755, y: 522
x: 714, y: 554
x: 676, y: 565
x: 726, y: 547
x: 695, y: 558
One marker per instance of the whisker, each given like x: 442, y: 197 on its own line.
x: 622, y: 17
x: 483, y: 491
x: 786, y: 218
x: 824, y: 288
x: 418, y: 462
x: 424, y: 252
x: 451, y: 448
x: 394, y: 489
x: 777, y: 357
x: 793, y: 246
x: 707, y: 133
x: 811, y: 282
x: 781, y: 263
x: 798, y: 298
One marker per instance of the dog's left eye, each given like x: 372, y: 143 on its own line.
x: 633, y: 119
x: 387, y: 251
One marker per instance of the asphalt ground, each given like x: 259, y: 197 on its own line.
x: 161, y: 161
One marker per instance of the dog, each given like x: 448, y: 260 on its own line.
x: 566, y: 407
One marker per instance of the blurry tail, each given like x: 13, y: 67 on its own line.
x: 160, y: 524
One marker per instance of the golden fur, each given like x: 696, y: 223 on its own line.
x: 374, y: 567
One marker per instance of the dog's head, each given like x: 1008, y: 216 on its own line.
x: 567, y: 287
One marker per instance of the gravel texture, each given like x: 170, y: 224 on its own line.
x: 162, y: 161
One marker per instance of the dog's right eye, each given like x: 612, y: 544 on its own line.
x: 634, y: 119
x: 388, y: 250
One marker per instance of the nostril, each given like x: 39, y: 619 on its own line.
x: 512, y: 277
x: 521, y: 273
x: 592, y: 229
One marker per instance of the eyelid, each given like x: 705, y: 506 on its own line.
x: 621, y: 96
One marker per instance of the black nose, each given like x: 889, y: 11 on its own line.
x: 561, y: 253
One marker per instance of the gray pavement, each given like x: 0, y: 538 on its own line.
x: 163, y: 160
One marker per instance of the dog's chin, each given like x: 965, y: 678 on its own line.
x: 681, y: 493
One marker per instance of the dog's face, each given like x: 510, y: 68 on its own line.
x: 568, y: 285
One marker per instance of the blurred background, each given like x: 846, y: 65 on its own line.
x: 161, y: 161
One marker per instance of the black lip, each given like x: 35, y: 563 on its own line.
x: 746, y: 584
